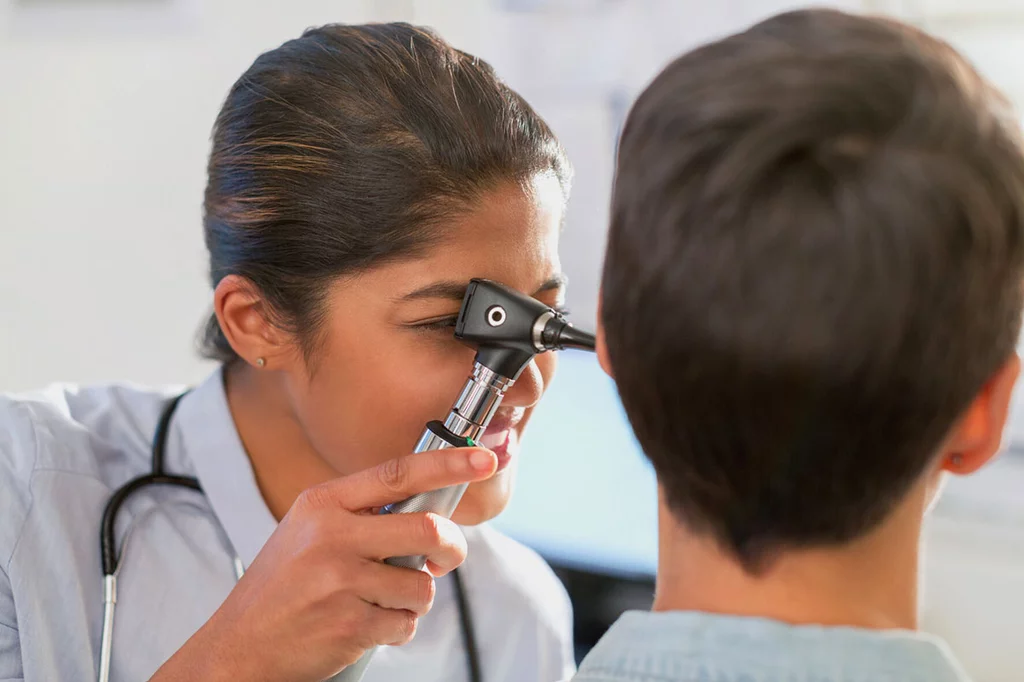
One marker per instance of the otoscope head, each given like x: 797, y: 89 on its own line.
x: 508, y: 328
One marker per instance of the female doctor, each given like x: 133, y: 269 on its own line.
x: 359, y: 177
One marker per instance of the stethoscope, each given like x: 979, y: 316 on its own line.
x: 158, y: 476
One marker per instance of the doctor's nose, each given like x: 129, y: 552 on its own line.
x: 529, y: 387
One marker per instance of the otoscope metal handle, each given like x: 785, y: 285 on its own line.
x: 442, y: 501
x: 468, y: 419
x: 466, y: 422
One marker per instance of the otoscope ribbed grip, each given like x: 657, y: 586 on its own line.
x: 443, y: 501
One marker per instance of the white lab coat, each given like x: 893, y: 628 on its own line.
x: 64, y: 451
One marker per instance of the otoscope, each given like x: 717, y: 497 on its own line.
x: 508, y: 329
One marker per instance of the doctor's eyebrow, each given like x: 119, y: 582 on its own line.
x: 455, y: 291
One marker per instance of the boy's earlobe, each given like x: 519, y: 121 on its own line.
x: 602, y: 347
x: 602, y: 352
x: 978, y: 437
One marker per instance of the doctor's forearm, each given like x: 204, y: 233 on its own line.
x: 208, y: 657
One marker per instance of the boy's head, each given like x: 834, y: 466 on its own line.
x: 813, y: 284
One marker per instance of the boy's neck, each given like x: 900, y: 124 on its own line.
x: 870, y: 583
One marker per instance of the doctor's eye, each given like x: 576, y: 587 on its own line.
x: 443, y: 324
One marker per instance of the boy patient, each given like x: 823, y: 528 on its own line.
x: 810, y: 306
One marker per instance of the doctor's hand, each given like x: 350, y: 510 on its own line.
x: 318, y: 595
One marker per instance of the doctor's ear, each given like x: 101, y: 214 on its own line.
x: 248, y: 323
x: 602, y: 347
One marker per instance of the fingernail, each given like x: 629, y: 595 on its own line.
x: 481, y: 460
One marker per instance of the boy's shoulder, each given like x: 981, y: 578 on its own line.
x: 687, y: 645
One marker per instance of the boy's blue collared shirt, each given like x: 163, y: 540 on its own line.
x: 686, y: 646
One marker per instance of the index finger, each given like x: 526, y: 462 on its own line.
x: 400, y: 478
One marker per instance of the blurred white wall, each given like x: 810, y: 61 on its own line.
x: 105, y: 114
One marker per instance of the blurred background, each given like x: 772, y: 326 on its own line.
x: 105, y: 112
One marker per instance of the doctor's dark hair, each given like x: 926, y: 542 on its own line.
x: 348, y: 148
x: 815, y: 264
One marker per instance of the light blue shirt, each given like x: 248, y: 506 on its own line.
x: 686, y: 646
x: 65, y: 450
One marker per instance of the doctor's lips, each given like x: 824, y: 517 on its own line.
x: 501, y: 433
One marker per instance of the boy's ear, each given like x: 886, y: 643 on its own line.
x: 602, y: 352
x: 602, y: 347
x: 978, y: 436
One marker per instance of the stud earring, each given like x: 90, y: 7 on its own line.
x: 260, y: 362
x: 957, y: 460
